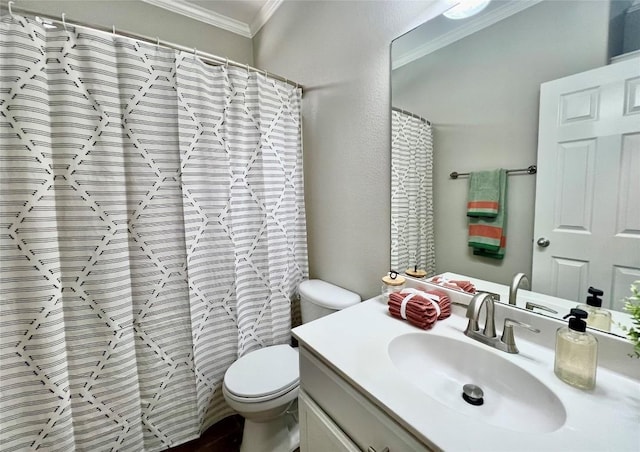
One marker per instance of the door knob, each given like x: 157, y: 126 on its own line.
x: 543, y: 242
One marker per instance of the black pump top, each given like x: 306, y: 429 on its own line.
x: 575, y: 322
x: 593, y: 300
x: 595, y: 292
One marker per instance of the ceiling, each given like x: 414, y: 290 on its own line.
x: 243, y: 17
x: 440, y: 31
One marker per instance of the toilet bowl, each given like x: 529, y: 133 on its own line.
x: 262, y: 386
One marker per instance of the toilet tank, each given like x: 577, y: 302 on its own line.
x: 319, y: 298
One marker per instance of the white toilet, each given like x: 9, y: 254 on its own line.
x: 262, y: 386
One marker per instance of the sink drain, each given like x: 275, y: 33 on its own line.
x: 472, y: 394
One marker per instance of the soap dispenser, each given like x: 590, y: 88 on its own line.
x: 576, y: 352
x: 598, y: 317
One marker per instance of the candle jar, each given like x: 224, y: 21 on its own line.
x: 392, y: 283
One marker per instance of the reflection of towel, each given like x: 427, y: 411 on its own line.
x: 484, y: 194
x: 487, y: 236
x: 466, y: 286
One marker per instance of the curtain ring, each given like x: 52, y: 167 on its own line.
x: 10, y: 12
x: 226, y: 63
x: 157, y: 42
x: 113, y: 30
x: 195, y: 52
x: 64, y: 21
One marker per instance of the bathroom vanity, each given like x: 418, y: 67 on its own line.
x: 372, y: 382
x: 347, y: 420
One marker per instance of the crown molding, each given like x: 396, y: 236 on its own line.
x: 264, y: 15
x: 204, y: 15
x: 470, y: 27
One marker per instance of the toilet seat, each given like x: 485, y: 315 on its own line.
x: 263, y: 375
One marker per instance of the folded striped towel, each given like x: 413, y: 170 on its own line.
x: 484, y: 194
x: 420, y: 308
x: 487, y: 236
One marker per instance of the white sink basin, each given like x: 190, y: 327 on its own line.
x: 513, y: 398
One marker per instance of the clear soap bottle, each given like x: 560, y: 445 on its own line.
x: 576, y: 352
x: 598, y: 318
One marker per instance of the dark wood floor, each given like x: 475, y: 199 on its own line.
x: 224, y: 436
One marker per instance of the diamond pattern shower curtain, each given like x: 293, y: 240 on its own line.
x: 412, y: 234
x: 153, y: 230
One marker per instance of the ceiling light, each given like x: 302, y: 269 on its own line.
x: 466, y: 8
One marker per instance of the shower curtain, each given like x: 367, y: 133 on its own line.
x: 412, y: 235
x: 153, y: 230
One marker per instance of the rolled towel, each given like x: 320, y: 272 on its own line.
x: 443, y: 301
x: 420, y: 308
x: 466, y: 286
x: 418, y: 320
x: 415, y: 314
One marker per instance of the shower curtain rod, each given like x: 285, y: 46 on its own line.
x: 400, y: 110
x: 204, y: 56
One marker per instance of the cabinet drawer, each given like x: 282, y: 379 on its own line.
x: 363, y: 422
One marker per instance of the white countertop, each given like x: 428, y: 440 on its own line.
x: 354, y: 342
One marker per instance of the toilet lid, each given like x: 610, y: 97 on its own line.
x: 268, y: 371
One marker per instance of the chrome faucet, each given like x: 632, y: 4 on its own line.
x: 487, y: 336
x: 473, y: 314
x: 519, y: 279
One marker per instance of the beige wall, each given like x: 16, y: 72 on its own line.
x: 340, y: 52
x: 481, y: 94
x: 142, y: 18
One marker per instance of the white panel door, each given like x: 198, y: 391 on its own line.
x: 587, y: 221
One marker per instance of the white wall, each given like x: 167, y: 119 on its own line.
x: 142, y: 18
x: 482, y: 94
x: 340, y: 52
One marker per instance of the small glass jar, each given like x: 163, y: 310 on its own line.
x: 392, y: 283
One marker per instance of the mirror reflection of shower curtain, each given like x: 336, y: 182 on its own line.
x: 412, y: 236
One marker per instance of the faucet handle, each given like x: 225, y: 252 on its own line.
x: 531, y: 306
x: 508, y: 338
x: 510, y: 323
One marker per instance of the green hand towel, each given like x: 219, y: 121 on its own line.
x: 487, y: 236
x: 484, y: 194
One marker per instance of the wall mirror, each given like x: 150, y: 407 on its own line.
x: 472, y: 87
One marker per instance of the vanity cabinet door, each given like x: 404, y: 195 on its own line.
x: 318, y: 433
x: 364, y: 424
